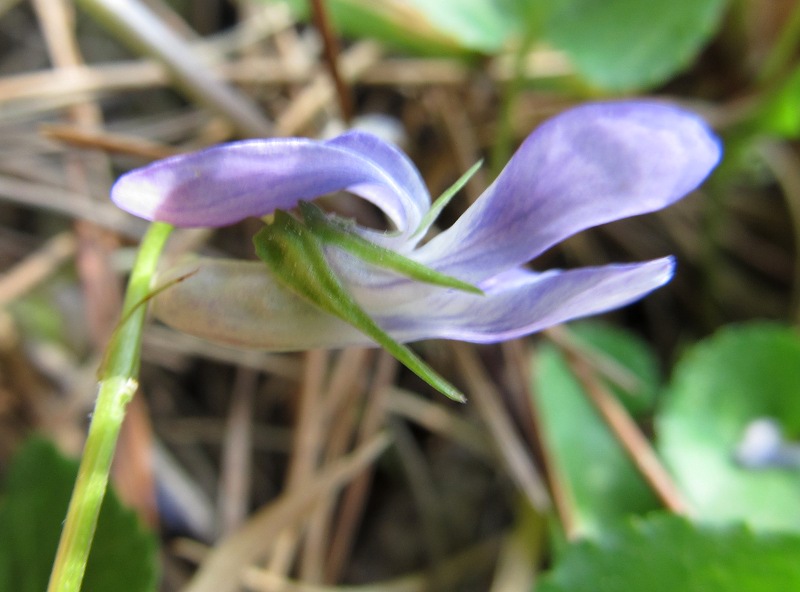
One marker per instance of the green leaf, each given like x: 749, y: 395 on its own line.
x: 37, y: 490
x: 441, y: 202
x: 623, y: 45
x: 443, y: 27
x: 482, y: 25
x: 600, y: 482
x: 718, y: 388
x: 669, y: 554
x: 778, y: 113
x: 295, y: 256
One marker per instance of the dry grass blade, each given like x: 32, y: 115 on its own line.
x: 161, y: 342
x: 320, y: 91
x: 512, y: 450
x: 36, y: 267
x: 145, y: 32
x: 785, y: 165
x: 112, y: 143
x: 308, y: 439
x: 353, y: 502
x: 222, y: 571
x: 440, y: 420
x: 462, y: 567
x: 342, y: 400
x: 69, y: 203
x: 235, y: 471
x: 604, y: 364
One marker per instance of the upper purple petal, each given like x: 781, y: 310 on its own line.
x: 588, y: 166
x: 224, y: 184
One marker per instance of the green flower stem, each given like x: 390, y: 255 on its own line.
x: 118, y: 383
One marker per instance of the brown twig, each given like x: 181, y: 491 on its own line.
x: 322, y: 22
x: 318, y: 93
x: 111, y: 143
x: 630, y: 437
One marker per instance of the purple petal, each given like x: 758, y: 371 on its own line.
x: 227, y: 183
x: 524, y: 302
x: 237, y: 303
x: 588, y: 166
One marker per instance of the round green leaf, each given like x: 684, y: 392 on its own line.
x: 668, y: 554
x: 631, y: 44
x: 719, y: 387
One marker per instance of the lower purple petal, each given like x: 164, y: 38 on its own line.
x: 524, y: 303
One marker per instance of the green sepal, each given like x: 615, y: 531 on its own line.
x: 335, y: 232
x: 444, y: 199
x: 295, y: 255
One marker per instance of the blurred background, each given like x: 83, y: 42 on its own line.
x: 319, y: 470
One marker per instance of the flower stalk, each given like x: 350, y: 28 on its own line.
x: 118, y: 383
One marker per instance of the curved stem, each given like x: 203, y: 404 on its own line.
x: 118, y: 383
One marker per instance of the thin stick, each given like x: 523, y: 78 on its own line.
x: 112, y: 143
x: 322, y: 22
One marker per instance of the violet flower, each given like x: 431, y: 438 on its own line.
x: 590, y: 165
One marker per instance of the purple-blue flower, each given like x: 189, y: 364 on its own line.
x: 590, y: 165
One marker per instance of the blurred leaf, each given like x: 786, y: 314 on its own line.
x: 36, y: 493
x: 630, y: 44
x: 626, y: 352
x: 669, y: 554
x: 444, y: 27
x: 718, y: 388
x: 601, y: 483
x: 779, y: 114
